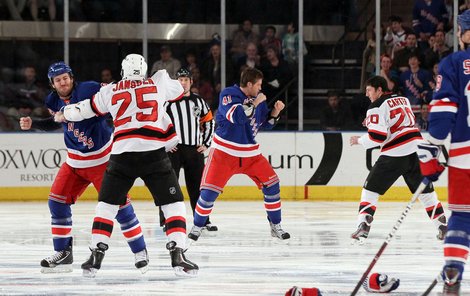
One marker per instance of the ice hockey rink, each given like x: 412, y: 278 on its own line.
x: 240, y: 259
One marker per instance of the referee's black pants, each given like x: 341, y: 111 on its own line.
x: 187, y: 158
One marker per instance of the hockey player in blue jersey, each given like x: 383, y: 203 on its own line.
x: 449, y: 113
x: 88, y: 145
x: 242, y: 112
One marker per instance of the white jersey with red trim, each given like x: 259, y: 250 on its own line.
x: 137, y: 107
x: 390, y: 124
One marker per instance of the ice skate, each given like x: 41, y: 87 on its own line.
x: 195, y: 233
x: 362, y: 232
x: 442, y: 229
x: 278, y: 232
x: 451, y: 282
x: 182, y: 266
x: 211, y: 227
x: 142, y: 261
x: 60, y: 262
x: 93, y: 264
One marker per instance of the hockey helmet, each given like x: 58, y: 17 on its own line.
x: 133, y: 67
x: 464, y: 21
x: 58, y: 69
x: 183, y: 72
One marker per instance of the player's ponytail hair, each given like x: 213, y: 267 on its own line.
x: 378, y: 81
x: 250, y: 75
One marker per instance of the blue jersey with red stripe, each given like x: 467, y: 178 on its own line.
x: 235, y: 132
x: 449, y: 108
x: 89, y: 141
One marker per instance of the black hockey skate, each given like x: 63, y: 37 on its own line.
x: 362, y: 232
x: 60, y: 262
x: 451, y: 282
x: 278, y: 232
x: 442, y: 229
x: 181, y: 265
x: 93, y: 264
x: 142, y: 261
x: 210, y: 227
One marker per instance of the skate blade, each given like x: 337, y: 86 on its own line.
x: 58, y: 269
x: 358, y: 241
x: 180, y: 272
x: 90, y: 273
x: 144, y: 269
x: 280, y: 241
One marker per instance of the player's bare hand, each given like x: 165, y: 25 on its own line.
x: 279, y: 105
x: 59, y: 117
x: 354, y: 140
x: 201, y: 148
x: 25, y: 123
x: 173, y: 150
x: 259, y: 99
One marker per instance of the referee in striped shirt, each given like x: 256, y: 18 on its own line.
x: 194, y: 125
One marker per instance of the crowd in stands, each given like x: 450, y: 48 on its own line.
x: 412, y: 52
x: 410, y: 55
x: 22, y: 93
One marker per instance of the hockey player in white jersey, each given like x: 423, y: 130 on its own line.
x: 143, y: 131
x: 390, y: 124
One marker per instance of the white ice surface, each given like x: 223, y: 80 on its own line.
x: 240, y: 259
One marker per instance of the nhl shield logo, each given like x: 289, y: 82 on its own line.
x: 196, y: 111
x: 172, y: 190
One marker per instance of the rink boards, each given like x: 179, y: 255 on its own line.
x: 310, y: 165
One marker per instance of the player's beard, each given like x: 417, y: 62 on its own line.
x: 64, y: 92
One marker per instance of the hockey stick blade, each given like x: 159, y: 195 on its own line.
x: 418, y: 191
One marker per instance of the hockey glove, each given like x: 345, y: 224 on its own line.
x: 297, y: 291
x: 380, y: 283
x: 428, y: 161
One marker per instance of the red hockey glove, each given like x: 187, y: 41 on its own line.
x: 297, y: 291
x: 380, y: 283
x: 428, y: 161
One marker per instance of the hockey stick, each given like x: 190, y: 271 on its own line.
x: 418, y: 191
x: 429, y: 289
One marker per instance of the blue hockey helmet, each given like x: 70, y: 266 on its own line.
x: 464, y: 21
x: 58, y: 69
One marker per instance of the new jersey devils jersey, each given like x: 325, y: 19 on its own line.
x: 390, y: 125
x: 137, y: 107
x: 235, y: 132
x: 89, y: 141
x: 449, y: 108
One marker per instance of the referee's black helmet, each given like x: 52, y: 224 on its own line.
x: 183, y: 72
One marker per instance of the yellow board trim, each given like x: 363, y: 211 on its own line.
x: 233, y: 193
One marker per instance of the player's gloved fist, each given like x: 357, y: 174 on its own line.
x: 297, y: 291
x: 428, y: 161
x: 380, y: 283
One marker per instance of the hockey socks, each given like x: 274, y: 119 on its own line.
x: 130, y: 228
x: 204, y: 206
x: 103, y: 223
x: 175, y: 223
x: 61, y: 225
x: 272, y: 202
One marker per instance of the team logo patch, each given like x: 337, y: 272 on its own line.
x: 438, y: 82
x: 196, y: 111
x: 172, y: 190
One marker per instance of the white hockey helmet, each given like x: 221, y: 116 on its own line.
x: 133, y: 67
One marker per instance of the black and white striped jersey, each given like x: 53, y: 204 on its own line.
x: 192, y: 119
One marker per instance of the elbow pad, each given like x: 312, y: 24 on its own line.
x: 79, y: 111
x: 273, y: 120
x: 249, y: 110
